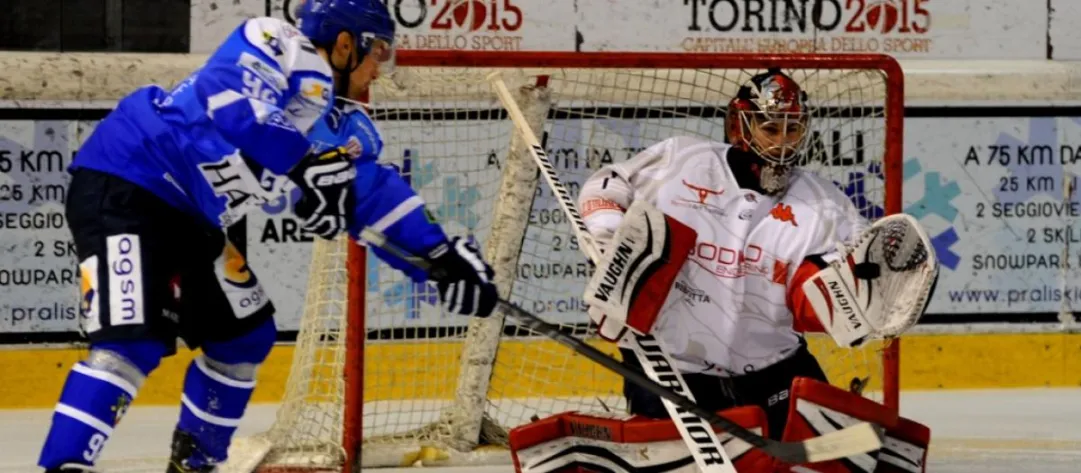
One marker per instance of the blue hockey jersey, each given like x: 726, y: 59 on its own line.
x: 384, y: 201
x: 218, y: 144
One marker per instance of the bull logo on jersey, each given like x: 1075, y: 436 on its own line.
x: 703, y: 193
x: 235, y: 268
x: 701, y: 200
x: 783, y: 213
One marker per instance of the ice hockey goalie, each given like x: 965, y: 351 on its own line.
x: 779, y: 252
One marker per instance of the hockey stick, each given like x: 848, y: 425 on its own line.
x: 863, y: 436
x: 705, y: 447
x: 853, y: 440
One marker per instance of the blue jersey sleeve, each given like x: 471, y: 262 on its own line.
x: 263, y: 90
x: 257, y: 127
x: 387, y: 204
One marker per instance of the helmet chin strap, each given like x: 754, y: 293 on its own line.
x: 341, y: 86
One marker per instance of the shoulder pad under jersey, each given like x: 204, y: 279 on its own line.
x: 308, y: 75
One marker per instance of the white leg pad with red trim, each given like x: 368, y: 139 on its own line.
x: 574, y: 442
x: 818, y: 408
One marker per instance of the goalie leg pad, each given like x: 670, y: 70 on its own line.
x: 575, y: 442
x: 632, y: 282
x: 818, y: 408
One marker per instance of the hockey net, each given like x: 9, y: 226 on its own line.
x: 381, y: 377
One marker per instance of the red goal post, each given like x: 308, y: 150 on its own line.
x: 378, y: 370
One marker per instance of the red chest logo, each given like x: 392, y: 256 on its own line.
x: 703, y: 193
x: 784, y: 213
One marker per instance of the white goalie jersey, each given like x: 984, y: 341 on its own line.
x: 729, y: 310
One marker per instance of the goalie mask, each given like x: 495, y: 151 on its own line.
x: 769, y: 119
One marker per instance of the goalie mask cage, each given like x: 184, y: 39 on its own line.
x: 380, y: 377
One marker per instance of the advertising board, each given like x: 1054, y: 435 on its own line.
x: 915, y: 29
x: 997, y: 194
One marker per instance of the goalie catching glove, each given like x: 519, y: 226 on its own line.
x: 874, y: 289
x: 463, y: 278
x: 326, y: 184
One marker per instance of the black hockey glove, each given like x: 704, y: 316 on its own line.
x: 326, y: 184
x: 464, y: 279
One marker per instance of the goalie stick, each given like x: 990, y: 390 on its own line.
x: 859, y: 438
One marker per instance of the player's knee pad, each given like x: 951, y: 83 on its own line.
x: 817, y: 408
x: 250, y: 348
x: 145, y: 355
x: 578, y: 441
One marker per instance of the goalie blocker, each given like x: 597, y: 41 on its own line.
x: 631, y: 283
x: 578, y: 442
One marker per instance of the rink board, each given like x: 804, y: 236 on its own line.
x: 34, y: 377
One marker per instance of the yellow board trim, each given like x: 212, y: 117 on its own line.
x: 33, y: 377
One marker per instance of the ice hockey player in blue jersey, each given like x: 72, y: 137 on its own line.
x: 152, y: 190
x: 386, y: 203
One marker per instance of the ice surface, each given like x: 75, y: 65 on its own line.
x: 989, y: 431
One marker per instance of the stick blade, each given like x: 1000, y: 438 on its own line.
x: 853, y: 440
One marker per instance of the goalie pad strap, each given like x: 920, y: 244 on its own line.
x: 904, y: 448
x: 619, y: 443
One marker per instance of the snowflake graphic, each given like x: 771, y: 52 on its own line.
x: 856, y: 190
x: 456, y: 205
x: 937, y: 199
x: 938, y: 196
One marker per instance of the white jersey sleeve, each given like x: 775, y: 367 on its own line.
x: 609, y: 191
x: 839, y: 219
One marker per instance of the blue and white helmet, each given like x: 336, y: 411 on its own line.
x: 368, y: 21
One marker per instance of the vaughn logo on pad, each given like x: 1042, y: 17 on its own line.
x: 634, y: 276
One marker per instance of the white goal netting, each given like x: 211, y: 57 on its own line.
x: 438, y: 389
